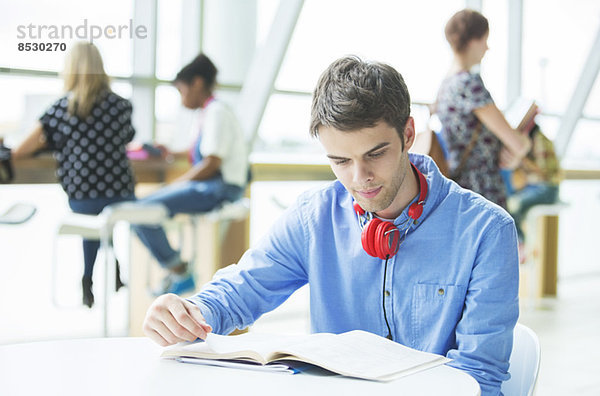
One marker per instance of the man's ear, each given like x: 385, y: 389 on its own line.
x: 409, y: 133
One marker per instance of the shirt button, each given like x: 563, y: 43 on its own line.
x: 441, y: 291
x: 387, y: 293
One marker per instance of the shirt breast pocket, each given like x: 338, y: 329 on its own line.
x: 436, y: 309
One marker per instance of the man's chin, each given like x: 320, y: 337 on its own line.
x: 369, y: 205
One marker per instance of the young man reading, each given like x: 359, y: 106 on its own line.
x: 391, y: 247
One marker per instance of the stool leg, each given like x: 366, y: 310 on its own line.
x: 216, y: 247
x: 54, y: 276
x: 104, y: 243
x: 531, y: 262
x: 54, y: 271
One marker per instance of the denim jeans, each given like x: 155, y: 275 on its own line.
x: 507, y: 178
x: 532, y: 194
x: 187, y: 197
x: 93, y: 206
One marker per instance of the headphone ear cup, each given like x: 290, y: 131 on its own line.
x: 393, y: 241
x: 379, y: 240
x: 386, y: 240
x: 368, y: 237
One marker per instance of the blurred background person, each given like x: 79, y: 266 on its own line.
x: 479, y: 139
x: 87, y: 129
x: 535, y: 181
x: 218, y: 169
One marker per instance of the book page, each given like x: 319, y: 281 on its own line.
x: 365, y: 355
x: 263, y: 344
x: 201, y: 349
x: 249, y: 346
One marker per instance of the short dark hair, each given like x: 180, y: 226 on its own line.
x: 201, y: 66
x: 465, y: 26
x: 354, y: 94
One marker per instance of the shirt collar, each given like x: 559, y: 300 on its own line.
x: 434, y: 184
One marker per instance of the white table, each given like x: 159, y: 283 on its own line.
x: 131, y: 366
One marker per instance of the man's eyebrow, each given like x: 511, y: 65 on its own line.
x: 378, y: 147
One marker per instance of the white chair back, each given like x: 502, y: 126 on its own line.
x: 524, y: 363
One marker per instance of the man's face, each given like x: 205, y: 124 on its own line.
x: 372, y: 165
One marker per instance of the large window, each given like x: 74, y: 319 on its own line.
x: 108, y: 23
x: 494, y: 64
x: 407, y: 35
x: 557, y: 37
x: 169, y: 23
x: 29, y: 80
x: 28, y: 97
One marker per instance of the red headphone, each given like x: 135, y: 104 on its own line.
x: 382, y: 238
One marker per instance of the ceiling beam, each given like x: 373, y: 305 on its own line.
x: 580, y: 95
x: 264, y: 68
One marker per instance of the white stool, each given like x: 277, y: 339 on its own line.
x: 220, y: 218
x: 531, y: 247
x: 100, y: 227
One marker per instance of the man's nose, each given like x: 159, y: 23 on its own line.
x: 362, y: 173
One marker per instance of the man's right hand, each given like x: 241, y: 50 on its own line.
x: 172, y: 319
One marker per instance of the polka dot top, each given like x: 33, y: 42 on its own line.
x: 91, y: 154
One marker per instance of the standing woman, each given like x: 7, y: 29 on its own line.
x: 88, y: 130
x: 480, y: 140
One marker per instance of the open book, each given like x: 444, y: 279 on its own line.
x: 356, y: 353
x: 521, y: 114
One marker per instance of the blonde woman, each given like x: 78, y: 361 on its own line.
x: 87, y: 129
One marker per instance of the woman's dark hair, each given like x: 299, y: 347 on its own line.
x: 465, y: 26
x: 201, y: 66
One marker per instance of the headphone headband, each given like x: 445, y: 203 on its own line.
x: 416, y: 210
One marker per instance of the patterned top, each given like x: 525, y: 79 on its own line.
x: 458, y: 96
x: 91, y: 155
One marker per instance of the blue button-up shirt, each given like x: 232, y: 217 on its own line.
x: 451, y: 289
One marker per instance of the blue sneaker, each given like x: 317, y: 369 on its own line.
x: 176, y: 284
